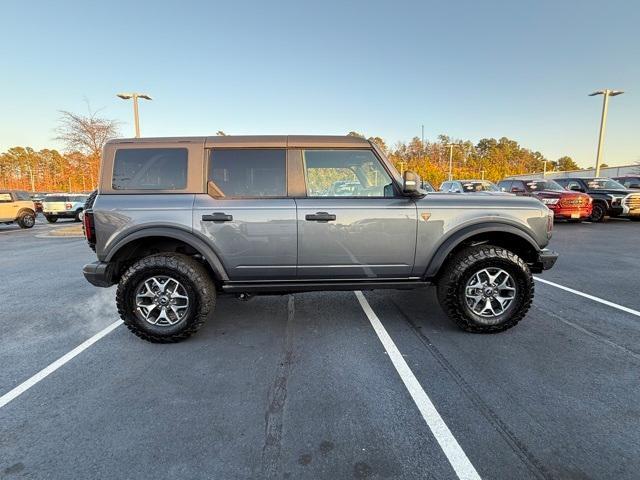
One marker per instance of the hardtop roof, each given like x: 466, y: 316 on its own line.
x: 254, y: 141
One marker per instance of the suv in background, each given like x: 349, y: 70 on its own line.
x: 178, y: 221
x: 570, y: 206
x: 629, y: 181
x: 610, y: 198
x: 56, y: 206
x: 470, y: 186
x: 16, y: 206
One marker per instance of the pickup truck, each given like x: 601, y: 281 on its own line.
x: 177, y: 221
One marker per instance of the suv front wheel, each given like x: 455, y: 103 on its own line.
x: 165, y: 298
x: 486, y: 289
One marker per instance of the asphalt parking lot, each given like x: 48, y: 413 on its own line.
x: 301, y: 386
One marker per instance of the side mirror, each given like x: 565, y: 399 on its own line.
x: 517, y: 190
x: 576, y: 188
x: 410, y: 183
x: 634, y: 185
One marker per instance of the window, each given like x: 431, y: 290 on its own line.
x: 505, y: 185
x: 345, y: 173
x: 150, y: 169
x: 22, y: 196
x: 247, y: 173
x: 5, y: 198
x: 55, y: 198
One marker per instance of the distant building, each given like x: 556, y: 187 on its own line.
x: 633, y: 169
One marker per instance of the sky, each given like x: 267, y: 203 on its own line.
x: 467, y: 69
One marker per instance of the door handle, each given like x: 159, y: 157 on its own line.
x: 217, y: 217
x: 320, y: 217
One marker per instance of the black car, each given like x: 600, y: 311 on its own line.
x: 610, y: 198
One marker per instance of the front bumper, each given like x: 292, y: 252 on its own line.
x: 98, y: 273
x: 546, y: 259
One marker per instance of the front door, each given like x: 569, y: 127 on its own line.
x: 246, y: 214
x: 353, y: 223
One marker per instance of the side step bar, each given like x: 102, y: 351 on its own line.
x: 302, y: 286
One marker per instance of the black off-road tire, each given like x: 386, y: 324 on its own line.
x: 26, y: 220
x: 77, y: 216
x: 459, y: 269
x: 598, y: 213
x: 190, y: 273
x: 51, y: 218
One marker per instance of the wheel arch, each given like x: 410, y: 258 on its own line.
x: 503, y: 235
x: 26, y: 210
x: 163, y: 239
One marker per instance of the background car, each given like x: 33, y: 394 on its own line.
x: 16, y: 206
x: 426, y: 186
x: 629, y: 181
x: 68, y: 205
x: 470, y: 186
x: 571, y: 206
x: 610, y: 198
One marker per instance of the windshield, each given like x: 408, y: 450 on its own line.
x: 537, y: 185
x: 55, y: 198
x: 604, y: 183
x: 479, y: 186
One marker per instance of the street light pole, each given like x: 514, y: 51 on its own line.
x: 134, y: 96
x: 451, y: 145
x: 603, y: 122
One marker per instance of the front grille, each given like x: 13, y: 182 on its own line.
x: 632, y: 201
x: 574, y: 202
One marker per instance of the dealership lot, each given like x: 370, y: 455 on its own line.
x: 300, y: 386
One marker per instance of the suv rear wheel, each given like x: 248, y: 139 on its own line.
x: 165, y: 298
x: 26, y: 220
x: 486, y: 289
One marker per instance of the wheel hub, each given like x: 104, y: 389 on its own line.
x: 161, y: 301
x: 489, y: 292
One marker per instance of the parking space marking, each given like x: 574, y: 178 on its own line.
x: 450, y: 446
x: 42, y: 374
x: 590, y: 297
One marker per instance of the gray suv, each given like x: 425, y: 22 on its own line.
x: 177, y: 221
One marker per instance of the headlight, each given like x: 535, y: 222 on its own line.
x: 550, y: 201
x: 615, y: 199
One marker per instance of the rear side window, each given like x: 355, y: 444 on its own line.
x: 22, y: 196
x: 150, y: 169
x: 5, y: 197
x: 252, y: 172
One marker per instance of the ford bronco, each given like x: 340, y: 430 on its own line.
x: 177, y: 221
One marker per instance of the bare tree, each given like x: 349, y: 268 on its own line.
x: 220, y: 133
x: 85, y: 133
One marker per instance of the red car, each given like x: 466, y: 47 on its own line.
x: 569, y: 205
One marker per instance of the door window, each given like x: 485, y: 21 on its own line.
x: 345, y: 173
x: 5, y: 197
x: 244, y: 172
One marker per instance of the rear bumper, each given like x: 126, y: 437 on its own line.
x: 546, y: 259
x: 98, y: 274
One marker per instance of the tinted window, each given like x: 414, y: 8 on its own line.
x: 247, y: 173
x: 22, y: 196
x: 150, y: 169
x: 345, y: 173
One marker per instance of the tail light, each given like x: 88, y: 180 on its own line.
x: 68, y: 206
x: 89, y: 227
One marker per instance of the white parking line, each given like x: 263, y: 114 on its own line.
x: 590, y: 297
x: 24, y: 386
x: 454, y: 453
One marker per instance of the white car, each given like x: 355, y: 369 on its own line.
x: 68, y: 205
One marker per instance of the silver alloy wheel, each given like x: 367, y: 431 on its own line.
x: 28, y: 220
x: 490, y: 292
x: 161, y: 301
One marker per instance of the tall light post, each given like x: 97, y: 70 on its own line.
x: 451, y: 145
x: 603, y: 121
x: 135, y: 96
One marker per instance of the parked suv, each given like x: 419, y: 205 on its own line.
x: 610, y: 199
x: 57, y: 206
x: 178, y: 221
x: 16, y: 206
x: 571, y: 206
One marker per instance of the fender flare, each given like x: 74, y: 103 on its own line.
x: 185, y: 236
x: 456, y: 237
x: 26, y: 210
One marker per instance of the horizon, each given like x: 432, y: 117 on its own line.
x: 381, y: 70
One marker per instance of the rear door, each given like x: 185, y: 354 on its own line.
x: 246, y: 214
x: 352, y: 222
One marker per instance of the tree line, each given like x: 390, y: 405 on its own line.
x: 84, y: 136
